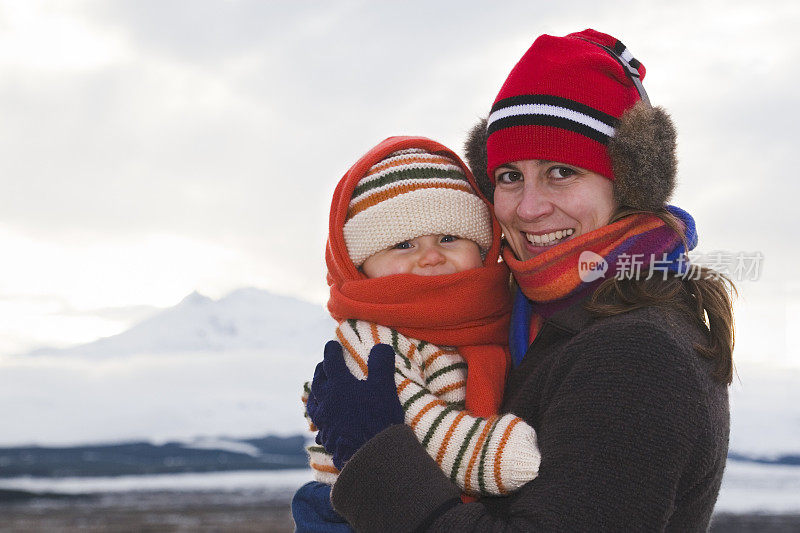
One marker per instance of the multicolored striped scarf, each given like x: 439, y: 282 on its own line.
x: 559, y: 277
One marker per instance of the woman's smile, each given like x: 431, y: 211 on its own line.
x: 548, y: 238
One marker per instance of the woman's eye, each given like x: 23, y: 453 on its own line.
x: 561, y: 172
x: 508, y: 176
x: 448, y: 238
x: 405, y: 245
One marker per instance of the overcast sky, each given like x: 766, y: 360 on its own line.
x: 153, y: 148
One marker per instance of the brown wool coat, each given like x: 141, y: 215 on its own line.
x: 632, y: 429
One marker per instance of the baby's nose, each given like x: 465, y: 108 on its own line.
x: 431, y: 256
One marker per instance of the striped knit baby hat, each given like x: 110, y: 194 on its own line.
x: 411, y: 193
x: 576, y: 100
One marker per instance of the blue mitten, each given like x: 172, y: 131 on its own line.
x: 348, y: 411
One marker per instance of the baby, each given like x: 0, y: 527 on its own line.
x: 412, y: 259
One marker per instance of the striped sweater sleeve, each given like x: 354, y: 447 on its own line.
x: 483, y: 456
x: 320, y: 461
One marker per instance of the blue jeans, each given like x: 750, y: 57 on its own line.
x: 313, y: 513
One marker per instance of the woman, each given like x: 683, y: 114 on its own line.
x: 622, y: 360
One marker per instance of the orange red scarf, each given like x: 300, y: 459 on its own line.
x: 469, y: 310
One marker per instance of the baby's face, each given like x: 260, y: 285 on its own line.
x: 429, y: 255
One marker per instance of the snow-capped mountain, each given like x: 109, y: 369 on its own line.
x: 233, y: 366
x: 246, y: 319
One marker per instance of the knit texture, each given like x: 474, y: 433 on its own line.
x: 483, y: 456
x: 468, y: 309
x: 569, y: 100
x: 411, y: 193
x: 349, y: 411
x: 562, y: 102
x: 552, y: 280
x: 632, y: 428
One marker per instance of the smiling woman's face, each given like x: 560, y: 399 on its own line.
x: 540, y: 204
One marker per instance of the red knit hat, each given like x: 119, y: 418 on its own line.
x: 563, y: 101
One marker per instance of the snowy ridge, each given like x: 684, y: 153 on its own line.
x: 233, y: 366
x: 245, y: 319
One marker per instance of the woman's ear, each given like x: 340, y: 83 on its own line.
x: 475, y: 151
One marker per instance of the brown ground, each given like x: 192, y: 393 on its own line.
x: 150, y: 512
x: 237, y: 512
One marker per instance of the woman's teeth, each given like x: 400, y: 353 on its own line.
x: 549, y: 238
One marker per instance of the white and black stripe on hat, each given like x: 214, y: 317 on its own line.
x: 556, y: 111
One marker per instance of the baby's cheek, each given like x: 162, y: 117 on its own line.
x: 470, y: 257
x: 400, y: 267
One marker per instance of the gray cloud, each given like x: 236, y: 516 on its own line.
x: 232, y: 121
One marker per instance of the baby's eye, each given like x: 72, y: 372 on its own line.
x: 405, y: 245
x: 508, y: 176
x: 559, y: 173
x: 448, y: 238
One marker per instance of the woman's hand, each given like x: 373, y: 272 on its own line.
x: 348, y: 411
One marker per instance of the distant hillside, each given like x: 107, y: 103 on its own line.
x: 246, y: 319
x: 137, y: 458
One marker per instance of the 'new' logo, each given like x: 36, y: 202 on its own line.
x: 591, y: 266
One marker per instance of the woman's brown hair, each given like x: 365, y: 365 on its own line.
x: 703, y: 295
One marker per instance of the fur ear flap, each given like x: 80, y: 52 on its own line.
x: 475, y: 150
x: 643, y: 158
